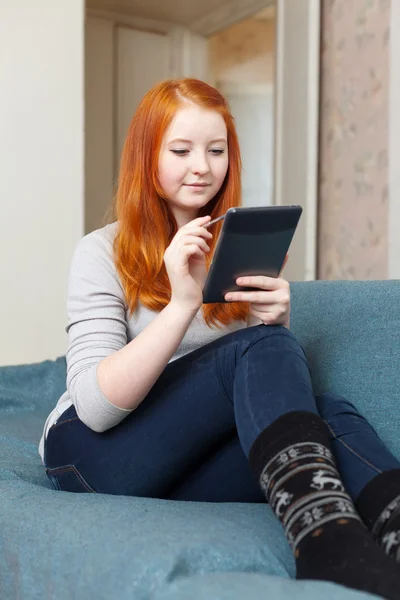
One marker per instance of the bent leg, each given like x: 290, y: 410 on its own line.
x: 247, y: 377
x: 224, y: 476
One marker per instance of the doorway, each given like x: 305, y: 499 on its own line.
x: 272, y: 90
x: 242, y: 67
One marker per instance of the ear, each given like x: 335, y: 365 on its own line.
x: 284, y: 262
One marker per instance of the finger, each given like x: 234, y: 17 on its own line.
x: 197, y: 222
x: 256, y: 297
x: 260, y: 311
x: 191, y: 239
x: 263, y: 282
x: 267, y: 298
x: 192, y: 250
x: 202, y: 232
x: 284, y: 262
x: 199, y: 231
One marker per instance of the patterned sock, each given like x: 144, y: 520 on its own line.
x: 295, y: 468
x: 379, y: 505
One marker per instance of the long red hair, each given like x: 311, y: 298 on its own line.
x: 146, y: 225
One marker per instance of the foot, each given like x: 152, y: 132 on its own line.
x: 295, y: 468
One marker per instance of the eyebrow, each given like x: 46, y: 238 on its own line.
x: 221, y: 139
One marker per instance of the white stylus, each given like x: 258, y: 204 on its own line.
x: 213, y: 221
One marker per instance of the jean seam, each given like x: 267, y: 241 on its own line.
x: 62, y: 422
x: 253, y: 419
x: 364, y: 460
x: 56, y: 470
x: 221, y: 381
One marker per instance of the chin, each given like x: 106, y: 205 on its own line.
x: 193, y: 203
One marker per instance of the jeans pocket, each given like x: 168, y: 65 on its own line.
x: 68, y: 479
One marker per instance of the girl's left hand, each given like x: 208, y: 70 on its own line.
x: 270, y: 303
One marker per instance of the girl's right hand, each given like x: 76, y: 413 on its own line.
x: 185, y: 261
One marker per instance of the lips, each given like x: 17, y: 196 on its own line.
x: 197, y: 184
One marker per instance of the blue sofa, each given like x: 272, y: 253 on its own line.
x: 78, y: 546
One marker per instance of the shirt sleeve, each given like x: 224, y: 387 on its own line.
x: 96, y: 327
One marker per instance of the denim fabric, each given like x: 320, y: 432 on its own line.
x: 359, y: 452
x: 190, y: 437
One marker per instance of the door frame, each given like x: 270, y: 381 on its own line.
x: 297, y: 125
x: 254, y: 89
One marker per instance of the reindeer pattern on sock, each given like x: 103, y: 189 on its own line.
x: 390, y: 540
x: 322, y: 478
x: 282, y: 499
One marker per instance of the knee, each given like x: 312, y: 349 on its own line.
x: 330, y: 405
x: 275, y: 332
x: 277, y: 337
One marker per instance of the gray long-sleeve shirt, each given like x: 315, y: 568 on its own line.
x: 98, y: 324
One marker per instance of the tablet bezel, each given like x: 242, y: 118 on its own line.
x: 212, y: 292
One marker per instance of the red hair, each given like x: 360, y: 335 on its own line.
x: 146, y: 224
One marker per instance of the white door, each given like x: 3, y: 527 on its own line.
x: 142, y: 61
x: 122, y: 63
x: 252, y: 107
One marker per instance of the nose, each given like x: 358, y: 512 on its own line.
x: 200, y: 165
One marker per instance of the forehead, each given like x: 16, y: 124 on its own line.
x: 193, y: 122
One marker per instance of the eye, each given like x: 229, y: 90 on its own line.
x: 217, y: 151
x: 180, y: 152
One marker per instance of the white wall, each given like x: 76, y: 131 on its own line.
x: 41, y: 171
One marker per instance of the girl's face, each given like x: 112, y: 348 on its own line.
x: 193, y: 160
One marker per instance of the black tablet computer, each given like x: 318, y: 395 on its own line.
x: 253, y: 241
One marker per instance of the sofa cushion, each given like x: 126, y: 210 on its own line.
x: 255, y: 586
x: 62, y: 545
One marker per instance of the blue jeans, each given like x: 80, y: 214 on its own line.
x: 359, y: 452
x: 189, y: 439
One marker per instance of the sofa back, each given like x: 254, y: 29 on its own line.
x: 350, y: 331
